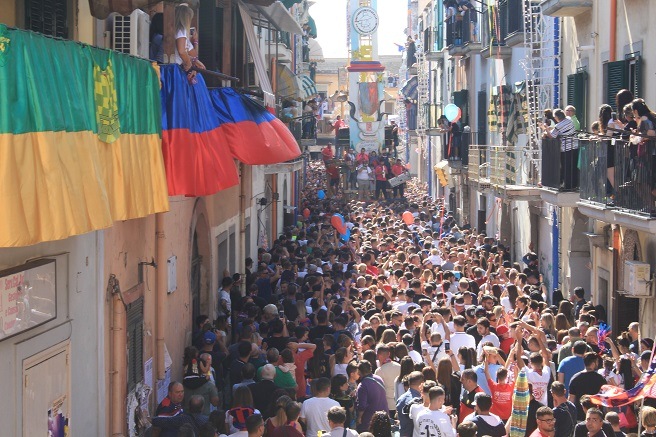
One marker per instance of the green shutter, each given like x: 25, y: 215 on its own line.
x: 481, y: 110
x: 135, y: 343
x: 49, y: 17
x: 636, y: 86
x: 617, y: 78
x: 577, y: 90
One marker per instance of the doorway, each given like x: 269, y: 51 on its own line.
x: 196, y: 262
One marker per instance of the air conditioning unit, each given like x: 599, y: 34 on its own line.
x: 131, y: 34
x: 637, y: 279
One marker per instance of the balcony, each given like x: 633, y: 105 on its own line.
x: 515, y: 26
x: 433, y: 43
x: 463, y: 33
x: 565, y: 8
x: 493, y: 39
x: 560, y: 173
x: 502, y: 170
x: 634, y: 203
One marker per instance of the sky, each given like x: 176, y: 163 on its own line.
x: 330, y: 17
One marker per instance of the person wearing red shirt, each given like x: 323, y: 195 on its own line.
x: 501, y: 392
x: 398, y: 169
x: 327, y: 153
x: 546, y: 423
x: 381, y: 180
x: 336, y: 126
x: 303, y: 351
x: 362, y: 157
x: 333, y: 178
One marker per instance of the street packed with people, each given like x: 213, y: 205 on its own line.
x: 387, y: 317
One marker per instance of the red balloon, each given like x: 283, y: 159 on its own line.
x: 338, y: 224
x: 408, y: 218
x: 306, y: 213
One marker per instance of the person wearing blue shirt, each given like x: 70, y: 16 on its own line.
x: 570, y: 366
x: 406, y: 426
x: 492, y: 368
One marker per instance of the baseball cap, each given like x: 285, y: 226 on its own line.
x: 209, y: 337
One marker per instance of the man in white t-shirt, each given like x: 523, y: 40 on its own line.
x: 460, y: 338
x: 313, y: 410
x: 432, y: 421
x: 224, y: 305
x: 337, y: 419
x: 538, y: 375
x: 483, y: 328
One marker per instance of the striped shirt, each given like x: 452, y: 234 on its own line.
x: 565, y: 128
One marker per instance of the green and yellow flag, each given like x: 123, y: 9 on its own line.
x: 80, y: 131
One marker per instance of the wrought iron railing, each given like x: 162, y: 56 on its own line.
x: 462, y: 29
x: 560, y: 168
x: 494, y: 25
x: 635, y: 175
x: 594, y: 170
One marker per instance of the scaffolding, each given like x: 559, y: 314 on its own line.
x: 541, y: 65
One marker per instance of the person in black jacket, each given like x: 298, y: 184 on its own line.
x: 486, y: 424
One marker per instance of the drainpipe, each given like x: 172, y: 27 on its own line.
x: 242, y: 227
x: 160, y: 290
x: 613, y: 29
x: 119, y: 383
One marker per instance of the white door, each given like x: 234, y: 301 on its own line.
x: 46, y: 395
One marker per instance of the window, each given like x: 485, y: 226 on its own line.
x: 622, y: 74
x: 49, y: 17
x: 577, y: 91
x: 135, y: 342
x: 482, y: 107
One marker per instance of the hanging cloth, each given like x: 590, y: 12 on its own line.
x: 368, y: 95
x: 104, y: 92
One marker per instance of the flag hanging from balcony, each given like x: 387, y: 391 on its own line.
x: 203, y: 131
x: 197, y: 159
x: 78, y: 151
x: 255, y: 136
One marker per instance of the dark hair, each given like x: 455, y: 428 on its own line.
x: 381, y: 424
x: 321, y: 384
x: 336, y: 382
x: 558, y: 388
x: 604, y: 117
x: 156, y: 25
x: 253, y: 422
x: 590, y: 358
x: 544, y: 411
x: 470, y: 374
x: 622, y: 98
x: 337, y: 415
x: 641, y: 107
x: 467, y: 429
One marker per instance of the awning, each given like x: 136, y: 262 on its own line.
x: 276, y: 14
x: 258, y: 56
x: 409, y: 89
x: 316, y: 52
x: 309, y: 88
x: 289, y: 84
x: 313, y: 27
x: 75, y: 155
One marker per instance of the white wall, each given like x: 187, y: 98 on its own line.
x: 80, y: 296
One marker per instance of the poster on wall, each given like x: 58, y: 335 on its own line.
x: 27, y: 296
x: 57, y: 421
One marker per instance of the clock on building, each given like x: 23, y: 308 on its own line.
x: 365, y: 20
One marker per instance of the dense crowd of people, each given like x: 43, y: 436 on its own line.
x: 380, y: 319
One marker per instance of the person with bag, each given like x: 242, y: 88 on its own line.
x: 564, y: 411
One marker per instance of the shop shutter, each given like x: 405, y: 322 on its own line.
x: 49, y: 17
x: 461, y: 100
x: 481, y: 110
x: 577, y: 90
x: 135, y: 343
x: 616, y: 78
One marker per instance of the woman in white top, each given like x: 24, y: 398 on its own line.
x: 364, y: 175
x: 186, y: 49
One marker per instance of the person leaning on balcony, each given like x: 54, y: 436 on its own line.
x: 646, y: 120
x: 186, y: 47
x: 564, y: 129
x: 570, y: 112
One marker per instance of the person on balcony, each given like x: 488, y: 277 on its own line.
x: 569, y: 153
x: 608, y: 123
x: 570, y: 112
x: 646, y: 120
x: 186, y: 41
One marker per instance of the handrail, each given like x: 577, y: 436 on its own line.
x: 216, y: 74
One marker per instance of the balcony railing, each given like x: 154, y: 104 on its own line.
x: 462, y: 29
x: 494, y: 28
x: 515, y: 17
x: 560, y: 169
x: 433, y: 40
x: 499, y: 166
x: 634, y: 175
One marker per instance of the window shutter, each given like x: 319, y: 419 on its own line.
x: 135, y: 343
x: 210, y: 48
x: 49, y: 17
x: 577, y: 90
x: 617, y: 78
x: 482, y: 117
x: 636, y: 85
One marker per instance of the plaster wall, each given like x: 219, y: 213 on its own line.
x: 80, y: 320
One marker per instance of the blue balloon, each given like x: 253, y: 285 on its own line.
x: 451, y: 112
x: 346, y: 236
x: 321, y: 194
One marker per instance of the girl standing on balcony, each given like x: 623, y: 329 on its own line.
x: 186, y: 47
x: 646, y: 120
